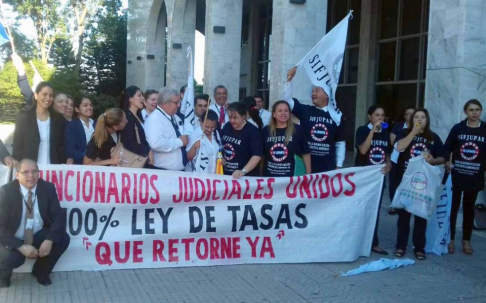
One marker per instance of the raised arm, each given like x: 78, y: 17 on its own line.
x: 22, y: 80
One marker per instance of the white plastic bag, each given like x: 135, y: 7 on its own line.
x: 419, y: 190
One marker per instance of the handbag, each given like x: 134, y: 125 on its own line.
x: 128, y: 158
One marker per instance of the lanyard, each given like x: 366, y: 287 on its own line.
x: 171, y: 119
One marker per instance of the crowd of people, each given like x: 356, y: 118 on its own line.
x: 248, y: 140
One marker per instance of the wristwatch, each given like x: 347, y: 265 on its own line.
x: 244, y: 171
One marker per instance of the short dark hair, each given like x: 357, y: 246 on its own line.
x: 25, y: 160
x: 473, y: 102
x: 149, y: 92
x: 212, y: 116
x: 373, y: 108
x: 183, y: 89
x: 218, y: 87
x: 258, y: 95
x: 201, y: 96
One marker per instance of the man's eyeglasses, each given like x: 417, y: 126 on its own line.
x: 176, y: 103
x: 29, y: 172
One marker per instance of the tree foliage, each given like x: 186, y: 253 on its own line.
x: 101, y: 75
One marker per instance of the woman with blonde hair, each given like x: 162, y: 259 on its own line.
x: 105, y: 138
x: 282, y: 140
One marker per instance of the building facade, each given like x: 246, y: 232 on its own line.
x: 399, y: 52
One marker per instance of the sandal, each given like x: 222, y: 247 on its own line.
x: 450, y: 247
x: 466, y: 247
x: 419, y: 255
x: 399, y: 253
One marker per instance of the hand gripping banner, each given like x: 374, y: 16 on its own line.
x: 140, y: 218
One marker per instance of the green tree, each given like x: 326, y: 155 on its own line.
x: 104, y: 62
x: 48, y: 24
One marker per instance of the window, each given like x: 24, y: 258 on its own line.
x: 265, y: 32
x: 402, y: 56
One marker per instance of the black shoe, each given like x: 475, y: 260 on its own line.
x: 392, y: 211
x: 46, y: 281
x: 4, y: 283
x: 380, y: 251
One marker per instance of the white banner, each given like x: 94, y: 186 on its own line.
x: 140, y: 218
x: 438, y: 228
x: 324, y: 62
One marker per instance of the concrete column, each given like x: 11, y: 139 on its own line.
x: 296, y: 28
x: 181, y: 29
x: 156, y: 40
x: 137, y: 38
x: 367, y: 60
x: 456, y: 64
x: 223, y: 50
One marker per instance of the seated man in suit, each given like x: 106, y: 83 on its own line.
x: 32, y: 224
x: 5, y: 157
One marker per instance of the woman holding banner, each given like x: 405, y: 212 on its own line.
x: 414, y: 141
x: 79, y: 131
x: 373, y: 148
x: 242, y: 143
x: 466, y: 143
x: 39, y: 130
x: 282, y: 141
x: 98, y: 151
x: 205, y: 140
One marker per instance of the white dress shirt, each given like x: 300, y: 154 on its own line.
x: 210, y: 149
x: 38, y: 222
x: 44, y: 127
x: 163, y: 141
x: 88, y: 129
x: 217, y: 109
x: 266, y: 116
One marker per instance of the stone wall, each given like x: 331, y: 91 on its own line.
x: 456, y: 61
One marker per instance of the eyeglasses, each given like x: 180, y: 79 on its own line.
x: 176, y: 103
x: 29, y: 172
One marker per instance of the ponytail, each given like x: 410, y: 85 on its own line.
x: 110, y: 118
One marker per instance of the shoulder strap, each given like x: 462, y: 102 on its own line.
x: 137, y: 134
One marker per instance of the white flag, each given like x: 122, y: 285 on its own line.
x: 187, y: 104
x: 323, y: 64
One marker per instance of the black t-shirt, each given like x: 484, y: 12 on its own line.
x: 280, y: 158
x: 322, y: 134
x: 380, y: 147
x: 103, y: 153
x: 468, y: 148
x: 397, y: 128
x: 239, y: 146
x: 418, y: 145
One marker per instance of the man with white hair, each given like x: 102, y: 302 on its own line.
x: 164, y: 130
